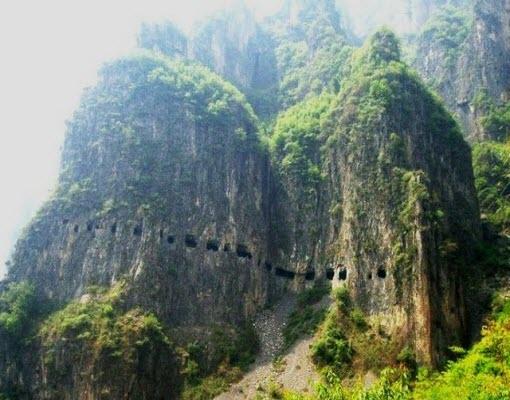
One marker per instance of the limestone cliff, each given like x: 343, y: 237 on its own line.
x: 276, y: 62
x: 170, y: 191
x: 387, y: 201
x: 465, y: 53
x: 162, y: 181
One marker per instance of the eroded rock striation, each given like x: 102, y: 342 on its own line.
x: 465, y: 55
x: 176, y: 214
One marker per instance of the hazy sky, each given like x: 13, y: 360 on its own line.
x: 50, y: 51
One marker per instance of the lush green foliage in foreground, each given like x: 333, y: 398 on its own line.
x: 491, y: 164
x: 482, y: 373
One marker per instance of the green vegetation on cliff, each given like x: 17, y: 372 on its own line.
x: 347, y: 342
x: 495, y: 119
x: 297, y: 139
x: 491, y: 164
x: 481, y: 373
x: 17, y: 310
x: 447, y: 29
x: 131, y: 92
x: 312, y: 56
x: 124, y: 351
x: 307, y: 316
x: 211, y: 367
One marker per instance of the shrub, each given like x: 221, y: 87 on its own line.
x: 17, y: 309
x: 313, y: 295
x: 332, y: 348
x: 491, y: 163
x: 303, y: 321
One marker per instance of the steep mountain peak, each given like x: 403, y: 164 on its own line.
x: 164, y: 37
x: 383, y: 47
x: 297, y: 12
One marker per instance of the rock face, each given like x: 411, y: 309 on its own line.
x: 276, y: 62
x: 389, y: 210
x: 462, y: 65
x: 233, y: 44
x: 169, y: 188
x: 405, y: 17
x: 403, y: 222
x: 162, y: 181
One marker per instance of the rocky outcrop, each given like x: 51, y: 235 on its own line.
x: 462, y: 66
x: 392, y: 204
x: 168, y: 186
x: 162, y: 182
x: 275, y: 63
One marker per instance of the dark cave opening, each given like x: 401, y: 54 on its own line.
x: 381, y: 272
x: 161, y: 233
x: 65, y: 221
x: 76, y: 228
x: 369, y: 275
x: 90, y: 226
x: 213, y: 245
x: 113, y: 228
x: 330, y: 273
x: 342, y: 275
x: 284, y: 273
x: 268, y: 266
x: 310, y: 276
x: 243, y: 252
x: 170, y: 239
x: 226, y: 247
x: 190, y: 241
x: 137, y: 231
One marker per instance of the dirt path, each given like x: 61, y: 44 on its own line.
x: 293, y: 371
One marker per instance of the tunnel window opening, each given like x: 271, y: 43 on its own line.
x: 170, y: 239
x: 243, y: 252
x: 65, y: 221
x: 137, y: 231
x: 284, y: 273
x: 310, y: 276
x: 342, y: 275
x: 190, y: 241
x: 370, y: 275
x: 90, y: 225
x: 113, y: 229
x: 76, y: 228
x: 330, y: 273
x: 268, y: 266
x: 161, y: 233
x: 226, y: 247
x: 212, y: 245
x: 381, y: 272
